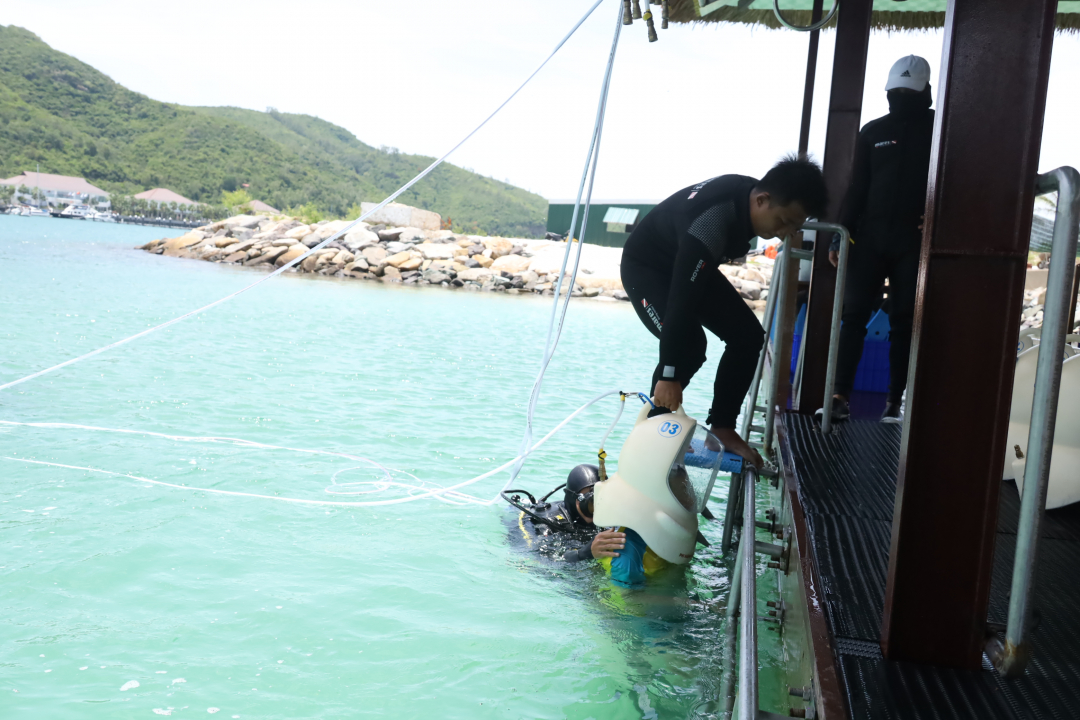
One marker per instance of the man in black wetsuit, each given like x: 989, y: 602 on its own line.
x: 670, y: 270
x: 883, y: 209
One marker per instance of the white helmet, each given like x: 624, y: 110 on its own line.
x: 663, y: 481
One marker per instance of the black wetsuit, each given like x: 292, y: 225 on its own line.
x: 883, y: 208
x: 670, y: 270
x: 572, y: 542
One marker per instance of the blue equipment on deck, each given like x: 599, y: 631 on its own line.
x: 872, y: 374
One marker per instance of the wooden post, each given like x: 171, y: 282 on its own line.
x: 845, y: 113
x: 996, y: 63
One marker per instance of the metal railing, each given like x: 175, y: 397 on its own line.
x: 743, y: 591
x: 837, y: 316
x: 748, y: 665
x: 1011, y: 656
x: 776, y: 301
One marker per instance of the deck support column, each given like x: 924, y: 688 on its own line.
x: 992, y: 95
x: 841, y: 133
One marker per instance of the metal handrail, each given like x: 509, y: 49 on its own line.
x: 748, y: 666
x: 837, y: 316
x: 780, y: 282
x: 1011, y: 657
x: 727, y: 672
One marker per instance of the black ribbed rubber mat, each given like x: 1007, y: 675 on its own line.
x: 847, y: 485
x: 852, y: 556
x: 853, y: 469
x: 1061, y: 524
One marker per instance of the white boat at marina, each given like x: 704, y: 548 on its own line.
x: 28, y: 211
x: 77, y: 210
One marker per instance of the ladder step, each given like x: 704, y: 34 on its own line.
x: 757, y: 428
x: 761, y: 408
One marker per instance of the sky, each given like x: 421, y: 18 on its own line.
x: 419, y: 75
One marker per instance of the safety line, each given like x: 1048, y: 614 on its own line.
x: 588, y: 173
x: 325, y: 242
x: 450, y: 490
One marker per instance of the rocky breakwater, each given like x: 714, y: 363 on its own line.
x: 413, y: 256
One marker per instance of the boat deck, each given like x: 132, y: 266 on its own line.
x: 846, y: 484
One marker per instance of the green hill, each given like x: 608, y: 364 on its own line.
x: 73, y: 120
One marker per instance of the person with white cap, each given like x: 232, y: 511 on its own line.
x: 883, y: 210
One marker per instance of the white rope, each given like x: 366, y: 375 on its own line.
x: 422, y: 489
x: 588, y: 173
x: 417, y: 492
x: 325, y: 242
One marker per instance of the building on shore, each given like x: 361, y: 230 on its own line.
x: 258, y: 206
x: 164, y: 195
x: 58, y: 190
x: 610, y: 222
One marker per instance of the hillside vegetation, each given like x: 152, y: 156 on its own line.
x: 74, y: 120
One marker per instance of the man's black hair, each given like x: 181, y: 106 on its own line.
x: 795, y: 180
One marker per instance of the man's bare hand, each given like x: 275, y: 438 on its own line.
x: 606, y: 543
x: 668, y: 394
x: 834, y: 257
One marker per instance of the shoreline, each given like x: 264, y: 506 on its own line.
x: 411, y: 256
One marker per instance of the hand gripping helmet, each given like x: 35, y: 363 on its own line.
x: 664, y: 478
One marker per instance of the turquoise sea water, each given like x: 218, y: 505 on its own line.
x: 259, y: 608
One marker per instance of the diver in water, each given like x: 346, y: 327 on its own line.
x: 564, y: 529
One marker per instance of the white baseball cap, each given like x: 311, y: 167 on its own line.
x: 911, y: 72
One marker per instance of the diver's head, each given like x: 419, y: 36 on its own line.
x: 578, y: 491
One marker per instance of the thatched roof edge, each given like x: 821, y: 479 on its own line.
x: 685, y: 11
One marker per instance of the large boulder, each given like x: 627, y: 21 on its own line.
x: 411, y: 235
x: 411, y: 264
x: 397, y: 259
x: 184, y: 241
x: 475, y: 274
x: 374, y: 254
x: 298, y: 232
x: 751, y: 288
x: 435, y: 277
x: 358, y: 265
x: 498, y: 246
x: 270, y: 256
x: 511, y: 264
x: 360, y: 238
x: 331, y: 228
x: 433, y: 251
x: 243, y: 221
x: 403, y: 216
x: 237, y: 247
x: 290, y: 254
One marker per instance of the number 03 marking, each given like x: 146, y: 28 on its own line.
x: 669, y: 429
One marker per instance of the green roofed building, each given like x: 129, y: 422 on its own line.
x: 610, y: 222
